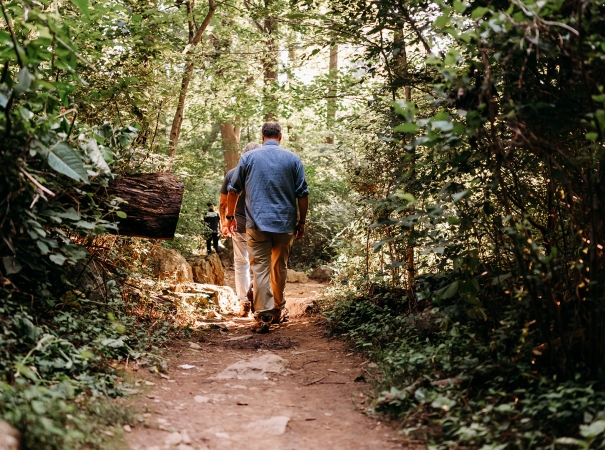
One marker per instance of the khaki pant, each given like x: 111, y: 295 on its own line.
x: 269, y: 253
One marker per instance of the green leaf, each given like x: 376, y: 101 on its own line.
x: 459, y: 7
x: 65, y: 160
x: 43, y: 247
x: 406, y: 128
x: 24, y: 81
x: 443, y: 403
x: 441, y: 21
x: 57, y: 258
x: 592, y: 136
x: 3, y: 101
x: 593, y: 430
x: 121, y: 214
x: 85, y: 225
x: 91, y: 147
x: 70, y: 214
x: 479, y: 12
x: 460, y: 195
x: 11, y: 265
x: 405, y: 196
x: 500, y: 278
x: 83, y: 6
x: 448, y: 291
x: 26, y: 371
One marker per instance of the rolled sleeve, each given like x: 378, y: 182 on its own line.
x: 300, y: 182
x: 237, y: 182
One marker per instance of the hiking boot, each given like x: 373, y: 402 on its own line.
x: 262, y: 324
x: 245, y: 309
x: 280, y: 316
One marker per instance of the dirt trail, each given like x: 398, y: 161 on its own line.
x: 289, y: 389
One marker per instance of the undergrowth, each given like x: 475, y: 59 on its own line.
x: 62, y: 362
x: 452, y: 388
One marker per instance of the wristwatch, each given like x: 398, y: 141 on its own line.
x: 230, y: 217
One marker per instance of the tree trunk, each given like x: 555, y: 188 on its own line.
x: 194, y: 39
x: 230, y: 134
x: 270, y: 69
x: 177, y: 122
x: 332, y: 91
x: 403, y: 76
x: 153, y: 204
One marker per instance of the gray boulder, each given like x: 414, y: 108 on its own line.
x: 322, y: 273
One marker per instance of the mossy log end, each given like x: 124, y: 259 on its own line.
x: 154, y: 204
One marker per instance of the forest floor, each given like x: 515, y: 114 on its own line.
x: 228, y: 388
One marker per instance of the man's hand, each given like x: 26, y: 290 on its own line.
x: 225, y: 229
x: 299, y: 231
x: 231, y: 226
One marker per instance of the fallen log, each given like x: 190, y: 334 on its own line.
x: 153, y: 204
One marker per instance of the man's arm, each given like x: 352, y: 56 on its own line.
x: 231, y: 203
x: 303, y: 208
x: 222, y: 210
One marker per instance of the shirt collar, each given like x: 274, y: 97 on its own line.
x: 271, y: 142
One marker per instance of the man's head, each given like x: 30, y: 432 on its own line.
x: 210, y: 205
x: 271, y: 130
x: 250, y: 146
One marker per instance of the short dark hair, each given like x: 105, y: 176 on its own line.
x: 271, y: 129
x: 209, y: 204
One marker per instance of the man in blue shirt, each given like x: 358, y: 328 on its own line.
x: 274, y: 182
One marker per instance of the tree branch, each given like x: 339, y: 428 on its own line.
x: 12, y: 33
x: 205, y: 23
x: 36, y: 182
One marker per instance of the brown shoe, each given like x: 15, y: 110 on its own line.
x: 280, y: 316
x: 262, y: 324
x: 245, y: 309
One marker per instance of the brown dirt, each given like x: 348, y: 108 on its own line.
x: 316, y: 395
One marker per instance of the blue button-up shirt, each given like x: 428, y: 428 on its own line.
x: 273, y: 179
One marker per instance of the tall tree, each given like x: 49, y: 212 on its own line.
x: 230, y: 135
x: 332, y: 92
x: 195, y: 35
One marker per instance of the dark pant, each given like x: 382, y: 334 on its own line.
x: 212, y: 241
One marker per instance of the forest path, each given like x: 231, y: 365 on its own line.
x: 304, y: 395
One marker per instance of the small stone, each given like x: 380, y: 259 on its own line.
x: 255, y: 368
x: 275, y: 426
x: 222, y: 435
x: 128, y: 428
x: 186, y: 438
x: 173, y: 438
x: 186, y: 366
x: 149, y: 383
x: 195, y: 346
x: 201, y: 399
